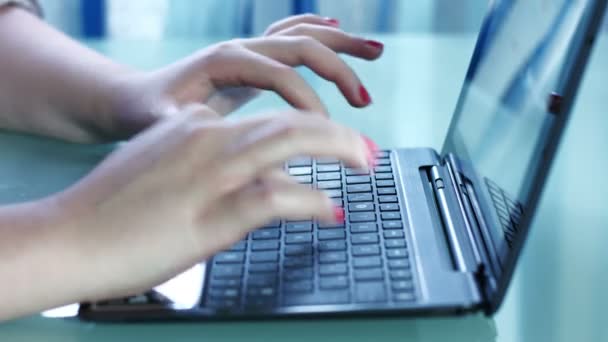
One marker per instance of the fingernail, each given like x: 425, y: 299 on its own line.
x: 372, y: 152
x: 364, y: 95
x: 332, y: 21
x: 338, y: 214
x: 374, y: 44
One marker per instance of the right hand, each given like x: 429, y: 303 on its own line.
x: 189, y: 187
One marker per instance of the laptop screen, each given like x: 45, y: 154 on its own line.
x: 524, y: 54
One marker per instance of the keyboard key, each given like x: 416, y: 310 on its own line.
x: 298, y: 274
x: 333, y: 269
x: 265, y: 245
x: 230, y: 258
x: 326, y: 160
x: 332, y: 257
x: 334, y: 193
x: 360, y: 198
x: 364, y: 250
x: 261, y: 280
x: 362, y: 239
x: 399, y: 263
x: 354, y: 207
x: 393, y: 234
x: 369, y: 274
x: 392, y: 225
x: 273, y: 224
x: 389, y: 207
x: 329, y: 185
x: 303, y: 179
x: 356, y: 172
x: 332, y: 234
x: 300, y: 171
x: 298, y: 227
x: 387, y: 191
x: 358, y: 188
x: 362, y: 217
x: 396, y: 253
x: 239, y: 246
x: 383, y: 154
x: 266, y: 234
x: 394, y: 243
x: 387, y: 199
x: 300, y: 286
x: 402, y: 285
x: 383, y: 162
x: 298, y: 261
x: 337, y: 202
x: 329, y: 176
x: 291, y: 239
x: 300, y: 161
x: 404, y: 296
x: 329, y: 225
x: 224, y: 272
x: 222, y: 304
x: 263, y: 268
x: 357, y: 228
x: 264, y: 257
x: 390, y: 215
x: 400, y: 274
x: 370, y: 292
x: 339, y: 282
x: 229, y: 293
x: 384, y: 176
x: 334, y: 245
x: 328, y: 168
x: 230, y: 282
x: 358, y: 179
x: 383, y: 169
x: 298, y: 250
x: 385, y: 183
x: 326, y: 297
x: 266, y: 291
x: 366, y: 262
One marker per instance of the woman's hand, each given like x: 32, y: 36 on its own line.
x: 226, y: 75
x: 189, y: 187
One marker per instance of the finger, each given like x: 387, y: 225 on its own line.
x: 257, y: 204
x: 304, y: 50
x: 237, y: 66
x: 338, y: 40
x: 229, y: 99
x: 289, y: 136
x: 300, y: 19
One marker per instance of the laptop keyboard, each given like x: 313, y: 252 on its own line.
x: 362, y: 260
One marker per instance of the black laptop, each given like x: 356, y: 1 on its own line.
x: 426, y: 232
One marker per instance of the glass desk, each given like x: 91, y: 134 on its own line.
x: 559, y: 290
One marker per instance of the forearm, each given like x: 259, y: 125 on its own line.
x: 40, y: 265
x: 52, y: 85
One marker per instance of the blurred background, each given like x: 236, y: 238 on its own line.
x: 157, y: 19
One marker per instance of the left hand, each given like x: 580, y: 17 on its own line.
x: 141, y: 98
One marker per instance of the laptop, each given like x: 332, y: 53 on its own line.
x: 427, y: 232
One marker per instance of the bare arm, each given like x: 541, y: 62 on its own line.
x: 50, y: 84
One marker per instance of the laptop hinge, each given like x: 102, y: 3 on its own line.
x: 474, y: 225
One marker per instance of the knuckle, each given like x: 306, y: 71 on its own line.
x: 302, y: 29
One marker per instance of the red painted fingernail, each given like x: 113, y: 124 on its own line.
x: 364, y: 95
x: 374, y: 44
x: 372, y: 151
x: 332, y: 21
x: 339, y: 214
x: 371, y: 145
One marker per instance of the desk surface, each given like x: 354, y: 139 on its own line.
x: 558, y: 292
